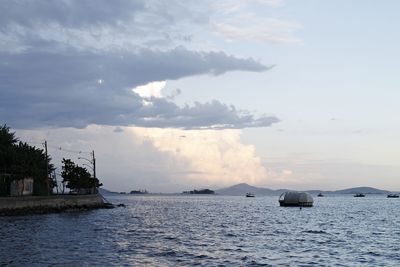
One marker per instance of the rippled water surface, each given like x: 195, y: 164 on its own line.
x: 209, y: 231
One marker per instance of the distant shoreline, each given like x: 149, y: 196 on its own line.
x: 243, y: 188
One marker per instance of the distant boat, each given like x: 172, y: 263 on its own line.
x: 393, y: 196
x: 359, y: 195
x: 320, y: 195
x: 250, y: 195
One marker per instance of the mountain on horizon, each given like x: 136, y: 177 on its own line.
x: 363, y: 189
x: 104, y: 191
x: 243, y: 188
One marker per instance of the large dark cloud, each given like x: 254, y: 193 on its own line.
x: 89, y: 13
x: 68, y: 13
x: 47, y: 81
x: 99, y: 23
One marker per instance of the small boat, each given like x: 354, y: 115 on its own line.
x: 393, y: 196
x: 320, y: 195
x: 250, y: 195
x: 359, y: 195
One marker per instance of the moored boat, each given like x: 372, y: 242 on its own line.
x: 250, y: 195
x: 359, y: 195
x: 393, y: 196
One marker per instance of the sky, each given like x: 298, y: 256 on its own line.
x: 175, y: 95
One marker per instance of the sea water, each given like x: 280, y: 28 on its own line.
x: 209, y: 231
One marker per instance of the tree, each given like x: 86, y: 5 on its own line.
x: 18, y: 161
x: 76, y: 177
x: 7, y: 138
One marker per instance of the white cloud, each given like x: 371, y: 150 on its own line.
x: 160, y: 160
x: 215, y: 158
x: 152, y: 89
x: 251, y: 27
x: 246, y: 20
x: 233, y: 6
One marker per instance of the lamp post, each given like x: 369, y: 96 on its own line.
x: 93, y: 162
x: 93, y: 167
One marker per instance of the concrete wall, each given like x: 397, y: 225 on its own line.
x: 49, y: 203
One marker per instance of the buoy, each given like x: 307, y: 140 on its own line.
x: 296, y: 199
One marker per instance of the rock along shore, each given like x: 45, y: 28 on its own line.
x: 50, y: 204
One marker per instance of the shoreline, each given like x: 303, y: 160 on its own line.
x: 28, y: 205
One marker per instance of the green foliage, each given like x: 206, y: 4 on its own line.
x: 76, y: 177
x: 7, y: 138
x: 18, y: 160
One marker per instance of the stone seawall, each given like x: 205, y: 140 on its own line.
x: 48, y: 204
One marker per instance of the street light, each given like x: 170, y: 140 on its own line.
x: 93, y: 162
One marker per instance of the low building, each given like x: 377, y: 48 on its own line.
x: 22, y: 187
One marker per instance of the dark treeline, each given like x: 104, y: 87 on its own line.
x: 19, y: 160
x: 77, y: 178
x: 201, y: 191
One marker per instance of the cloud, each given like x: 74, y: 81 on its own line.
x: 73, y: 63
x: 160, y: 160
x: 99, y: 24
x: 213, y: 158
x: 128, y: 24
x: 68, y: 13
x: 242, y: 20
x: 62, y: 89
x: 255, y: 28
x: 118, y: 129
x: 233, y: 6
x: 152, y: 89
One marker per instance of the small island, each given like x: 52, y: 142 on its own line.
x: 136, y: 192
x: 200, y: 192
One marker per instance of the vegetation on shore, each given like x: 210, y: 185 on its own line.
x: 77, y: 177
x: 201, y: 191
x: 19, y: 160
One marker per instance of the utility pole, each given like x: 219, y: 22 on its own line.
x: 47, y: 168
x: 55, y: 179
x: 94, y: 164
x: 94, y: 170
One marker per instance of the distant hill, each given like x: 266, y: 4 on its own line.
x: 364, y: 190
x: 106, y: 192
x: 243, y: 188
